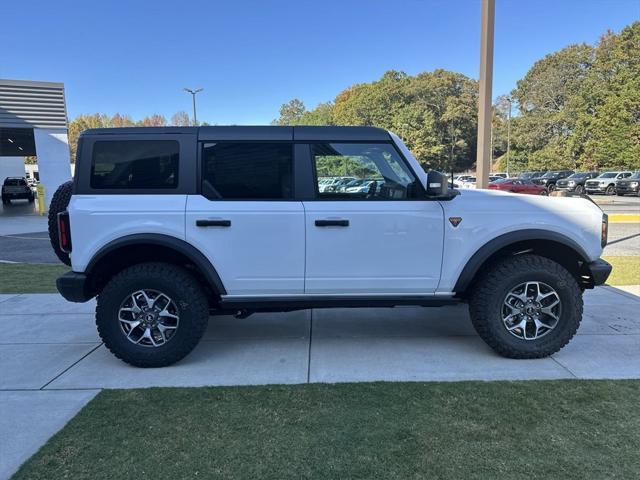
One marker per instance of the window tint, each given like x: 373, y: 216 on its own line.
x: 361, y: 171
x: 135, y: 164
x: 247, y: 171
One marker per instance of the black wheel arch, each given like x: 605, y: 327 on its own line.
x: 145, y: 247
x: 546, y: 243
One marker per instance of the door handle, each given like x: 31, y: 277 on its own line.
x: 213, y: 223
x: 332, y: 223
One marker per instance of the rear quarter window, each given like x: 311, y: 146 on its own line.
x: 135, y: 164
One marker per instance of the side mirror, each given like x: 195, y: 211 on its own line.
x: 436, y: 184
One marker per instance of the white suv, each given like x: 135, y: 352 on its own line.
x: 167, y: 226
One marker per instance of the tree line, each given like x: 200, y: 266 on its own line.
x: 577, y: 108
x: 102, y: 120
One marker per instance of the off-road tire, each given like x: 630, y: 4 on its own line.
x: 485, y: 305
x: 59, y: 203
x: 175, y: 282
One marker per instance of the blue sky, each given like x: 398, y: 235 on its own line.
x: 251, y: 56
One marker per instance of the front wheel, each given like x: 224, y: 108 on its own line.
x: 152, y: 314
x: 526, y: 306
x: 579, y: 189
x: 610, y: 190
x: 544, y: 192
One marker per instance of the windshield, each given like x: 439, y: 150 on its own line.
x: 500, y: 180
x: 608, y: 175
x: 14, y: 182
x: 550, y: 174
x: 578, y: 175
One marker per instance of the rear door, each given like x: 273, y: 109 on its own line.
x: 382, y: 239
x: 245, y: 219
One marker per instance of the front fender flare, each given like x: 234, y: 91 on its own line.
x: 481, y: 255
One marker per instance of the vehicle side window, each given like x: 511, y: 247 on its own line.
x: 358, y: 171
x: 247, y: 171
x: 135, y: 164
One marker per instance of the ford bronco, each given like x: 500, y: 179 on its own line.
x: 167, y: 226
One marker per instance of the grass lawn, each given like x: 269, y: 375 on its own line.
x: 472, y: 430
x: 626, y: 270
x: 30, y: 278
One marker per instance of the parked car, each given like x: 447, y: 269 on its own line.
x: 165, y: 238
x: 16, y: 188
x: 366, y: 185
x: 575, y: 183
x: 605, y: 182
x: 550, y: 178
x: 531, y: 175
x: 336, y: 185
x: 468, y: 182
x: 629, y: 185
x: 518, y: 185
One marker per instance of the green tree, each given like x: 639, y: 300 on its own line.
x: 290, y: 112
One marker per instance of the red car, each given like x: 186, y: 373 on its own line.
x: 518, y: 185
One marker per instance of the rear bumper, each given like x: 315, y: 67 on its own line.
x: 74, y: 287
x: 600, y: 271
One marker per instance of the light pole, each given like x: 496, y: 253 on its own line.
x: 193, y: 95
x: 508, y: 132
x: 484, y: 99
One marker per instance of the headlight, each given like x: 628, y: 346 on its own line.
x: 604, y: 233
x: 572, y: 183
x: 634, y: 184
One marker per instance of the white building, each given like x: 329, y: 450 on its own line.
x: 33, y: 121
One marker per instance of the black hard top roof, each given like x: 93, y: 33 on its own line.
x: 266, y: 133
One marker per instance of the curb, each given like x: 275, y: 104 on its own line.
x: 623, y: 218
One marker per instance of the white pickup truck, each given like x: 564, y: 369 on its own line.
x: 167, y: 226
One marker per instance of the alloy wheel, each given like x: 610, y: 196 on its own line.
x: 148, y: 318
x: 531, y: 310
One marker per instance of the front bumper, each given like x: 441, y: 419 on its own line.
x: 74, y: 287
x: 600, y: 271
x: 625, y: 190
x: 596, y: 189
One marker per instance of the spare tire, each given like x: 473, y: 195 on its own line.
x: 59, y: 203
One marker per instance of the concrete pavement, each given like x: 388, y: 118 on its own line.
x: 52, y: 361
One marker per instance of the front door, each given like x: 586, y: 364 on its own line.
x: 246, y: 221
x: 372, y: 235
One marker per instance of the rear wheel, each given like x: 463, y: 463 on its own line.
x: 152, y: 314
x: 526, y: 306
